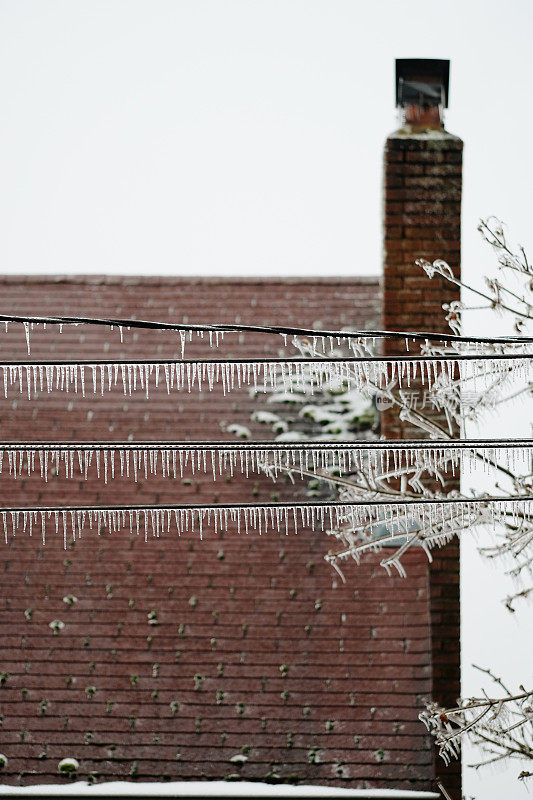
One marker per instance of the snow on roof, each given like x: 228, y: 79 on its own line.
x: 210, y: 789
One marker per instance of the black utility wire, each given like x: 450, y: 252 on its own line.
x: 273, y: 329
x: 434, y: 501
x: 389, y: 444
x: 95, y: 362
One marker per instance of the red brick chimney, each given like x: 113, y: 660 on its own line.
x: 423, y: 177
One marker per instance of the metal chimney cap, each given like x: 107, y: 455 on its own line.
x: 432, y: 73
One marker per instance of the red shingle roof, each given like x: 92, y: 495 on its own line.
x: 254, y: 653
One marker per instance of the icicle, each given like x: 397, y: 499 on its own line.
x: 27, y: 333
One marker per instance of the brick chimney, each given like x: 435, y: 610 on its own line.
x: 423, y: 177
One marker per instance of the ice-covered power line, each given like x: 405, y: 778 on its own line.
x: 155, y: 521
x: 141, y: 460
x: 261, y: 374
x: 323, y: 339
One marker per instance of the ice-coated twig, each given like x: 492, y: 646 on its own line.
x: 521, y: 595
x: 503, y: 725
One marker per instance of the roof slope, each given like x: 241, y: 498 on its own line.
x: 258, y: 664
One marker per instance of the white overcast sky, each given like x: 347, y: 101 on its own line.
x: 244, y: 137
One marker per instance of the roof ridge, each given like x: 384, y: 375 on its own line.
x: 132, y: 280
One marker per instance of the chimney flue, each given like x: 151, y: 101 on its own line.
x: 422, y: 219
x: 422, y: 92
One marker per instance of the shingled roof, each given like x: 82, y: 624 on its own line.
x: 257, y: 662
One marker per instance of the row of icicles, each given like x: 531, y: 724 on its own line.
x: 289, y: 376
x: 304, y: 375
x: 158, y: 521
x: 170, y: 460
